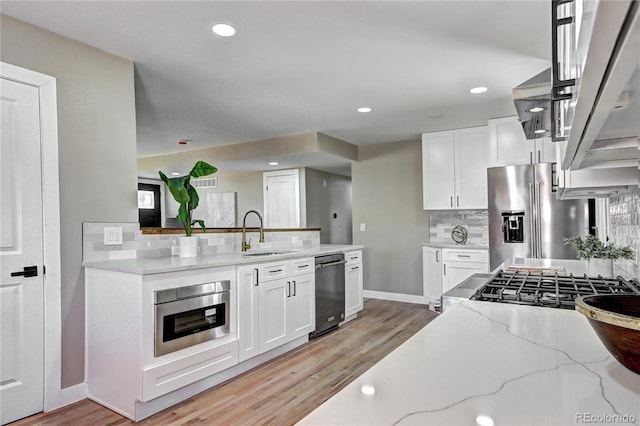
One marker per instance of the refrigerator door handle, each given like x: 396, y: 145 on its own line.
x: 536, y: 200
x: 532, y: 222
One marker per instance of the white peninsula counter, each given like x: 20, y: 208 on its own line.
x: 489, y: 363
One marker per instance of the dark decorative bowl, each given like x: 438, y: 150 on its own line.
x: 616, y: 321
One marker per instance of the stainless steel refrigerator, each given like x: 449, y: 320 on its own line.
x: 526, y: 219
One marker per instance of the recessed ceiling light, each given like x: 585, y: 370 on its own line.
x: 273, y: 163
x: 536, y: 109
x: 175, y: 174
x: 539, y: 131
x: 364, y: 109
x: 479, y: 89
x: 223, y: 30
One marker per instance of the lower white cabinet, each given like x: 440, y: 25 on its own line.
x: 432, y: 275
x: 248, y: 321
x: 353, y: 283
x: 459, y: 264
x: 286, y: 309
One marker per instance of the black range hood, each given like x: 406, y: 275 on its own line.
x: 528, y: 97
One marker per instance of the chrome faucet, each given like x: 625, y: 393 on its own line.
x: 247, y: 245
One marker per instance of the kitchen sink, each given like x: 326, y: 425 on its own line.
x: 264, y: 253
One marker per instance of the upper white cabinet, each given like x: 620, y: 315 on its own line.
x: 454, y: 164
x: 508, y: 145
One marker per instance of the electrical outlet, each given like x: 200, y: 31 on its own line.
x: 363, y: 227
x: 113, y: 236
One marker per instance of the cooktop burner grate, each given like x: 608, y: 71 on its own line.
x: 549, y: 289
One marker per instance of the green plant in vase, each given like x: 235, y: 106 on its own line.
x: 186, y: 195
x: 599, y: 255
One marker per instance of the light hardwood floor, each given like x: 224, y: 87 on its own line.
x: 281, y: 391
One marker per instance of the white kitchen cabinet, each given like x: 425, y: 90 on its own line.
x: 248, y: 319
x: 459, y: 264
x: 454, y: 166
x: 431, y: 275
x: 508, y: 145
x: 353, y: 283
x: 286, y: 304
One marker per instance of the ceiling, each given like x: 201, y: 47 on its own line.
x: 303, y: 66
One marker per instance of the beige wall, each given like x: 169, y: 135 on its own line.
x: 387, y: 197
x: 97, y: 154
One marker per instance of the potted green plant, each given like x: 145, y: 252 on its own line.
x: 187, y: 197
x: 599, y: 255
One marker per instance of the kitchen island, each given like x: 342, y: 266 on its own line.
x: 489, y: 363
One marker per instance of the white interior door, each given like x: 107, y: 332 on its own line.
x: 21, y: 245
x: 282, y: 199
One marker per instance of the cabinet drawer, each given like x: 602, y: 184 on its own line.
x: 303, y: 266
x: 353, y: 257
x: 464, y: 255
x: 162, y: 379
x: 273, y: 270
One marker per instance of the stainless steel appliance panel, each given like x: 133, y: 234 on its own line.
x: 330, y: 292
x: 523, y: 196
x: 509, y: 197
x: 186, y: 316
x: 558, y: 219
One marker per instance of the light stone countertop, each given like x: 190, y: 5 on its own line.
x: 455, y: 246
x: 146, y: 266
x: 517, y: 365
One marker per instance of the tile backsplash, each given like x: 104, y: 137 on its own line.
x: 624, y: 229
x: 138, y: 245
x: 442, y: 222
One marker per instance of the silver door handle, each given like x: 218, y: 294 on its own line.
x: 457, y: 201
x: 288, y: 288
x: 257, y: 276
x: 451, y: 200
x: 294, y: 288
x: 324, y: 265
x: 532, y: 231
x: 444, y: 269
x: 536, y: 194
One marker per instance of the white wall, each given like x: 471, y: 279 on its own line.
x: 97, y: 154
x: 387, y: 197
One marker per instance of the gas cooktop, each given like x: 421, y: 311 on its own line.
x: 549, y: 289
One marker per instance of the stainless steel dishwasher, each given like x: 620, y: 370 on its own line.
x: 329, y: 292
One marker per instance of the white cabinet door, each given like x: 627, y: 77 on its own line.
x: 248, y: 309
x: 545, y: 151
x: 471, y: 158
x: 273, y: 313
x: 454, y: 273
x: 281, y: 199
x: 431, y: 274
x: 438, y: 175
x: 459, y: 264
x: 353, y: 287
x: 301, y: 306
x: 508, y: 145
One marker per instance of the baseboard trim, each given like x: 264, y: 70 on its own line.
x: 68, y: 396
x: 396, y: 297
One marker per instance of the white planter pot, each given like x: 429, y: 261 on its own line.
x: 602, y: 267
x: 188, y: 246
